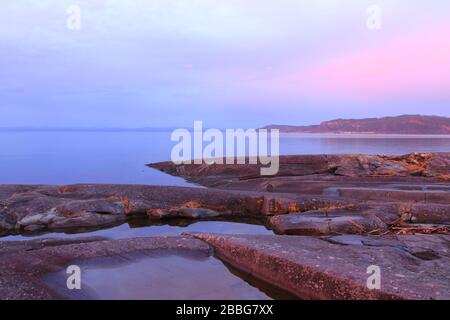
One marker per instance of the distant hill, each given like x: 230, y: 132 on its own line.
x: 405, y: 124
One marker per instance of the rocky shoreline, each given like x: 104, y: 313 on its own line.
x: 334, y: 215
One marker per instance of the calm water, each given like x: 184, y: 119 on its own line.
x: 179, y: 275
x: 141, y: 227
x: 120, y: 157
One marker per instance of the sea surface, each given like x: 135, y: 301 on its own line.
x: 63, y: 157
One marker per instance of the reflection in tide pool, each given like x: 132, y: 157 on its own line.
x: 149, y: 228
x: 171, y: 276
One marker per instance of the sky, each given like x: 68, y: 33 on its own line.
x: 229, y: 63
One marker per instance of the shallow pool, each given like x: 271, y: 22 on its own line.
x: 163, y: 276
x: 143, y: 227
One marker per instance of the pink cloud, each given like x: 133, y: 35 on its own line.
x: 410, y: 66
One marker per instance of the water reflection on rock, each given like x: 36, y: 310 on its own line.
x: 165, y: 275
x: 144, y: 227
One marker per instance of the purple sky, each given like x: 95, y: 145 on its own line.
x: 230, y: 63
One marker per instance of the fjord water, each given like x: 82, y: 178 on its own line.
x: 66, y: 157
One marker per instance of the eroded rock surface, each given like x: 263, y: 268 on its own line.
x: 335, y: 215
x: 416, y: 164
x: 339, y: 221
x: 332, y: 194
x: 33, y: 208
x: 412, y: 267
x: 23, y: 264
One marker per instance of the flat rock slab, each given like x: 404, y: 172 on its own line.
x: 318, y: 223
x: 380, y: 194
x: 413, y: 178
x: 348, y: 165
x: 23, y: 264
x: 412, y: 267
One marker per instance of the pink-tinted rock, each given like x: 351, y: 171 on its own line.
x: 318, y: 223
x: 416, y: 164
x: 23, y: 264
x: 411, y: 267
